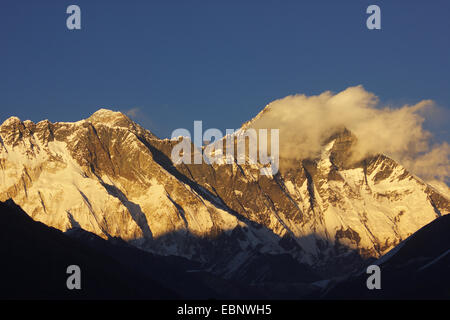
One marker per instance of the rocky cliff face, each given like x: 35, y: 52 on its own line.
x: 109, y: 176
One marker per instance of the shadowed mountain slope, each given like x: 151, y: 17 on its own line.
x: 34, y: 260
x: 418, y: 268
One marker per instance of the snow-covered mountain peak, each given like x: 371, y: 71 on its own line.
x: 11, y: 121
x: 109, y: 117
x: 248, y: 124
x: 118, y: 120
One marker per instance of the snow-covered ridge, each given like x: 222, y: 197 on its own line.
x: 102, y: 116
x: 10, y: 121
x: 108, y: 117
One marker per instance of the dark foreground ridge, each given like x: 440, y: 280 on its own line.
x: 35, y: 258
x: 418, y: 268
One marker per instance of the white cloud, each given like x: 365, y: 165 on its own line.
x: 133, y: 113
x: 305, y: 122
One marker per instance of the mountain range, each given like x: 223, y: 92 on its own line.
x: 109, y: 179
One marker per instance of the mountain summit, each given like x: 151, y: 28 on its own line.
x: 109, y: 176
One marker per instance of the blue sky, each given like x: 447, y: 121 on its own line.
x: 216, y: 61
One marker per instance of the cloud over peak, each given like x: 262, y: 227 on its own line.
x: 306, y: 122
